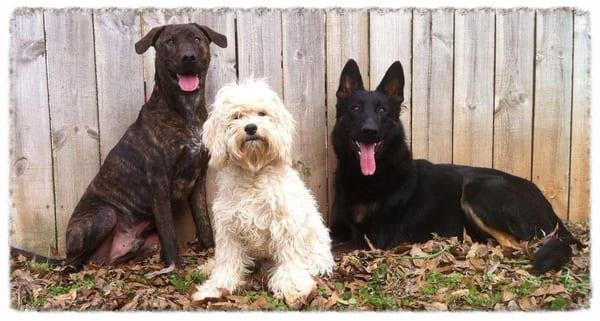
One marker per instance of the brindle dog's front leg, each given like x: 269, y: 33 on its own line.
x: 163, y: 215
x: 199, y: 206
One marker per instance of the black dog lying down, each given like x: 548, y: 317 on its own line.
x: 381, y: 192
x: 159, y: 163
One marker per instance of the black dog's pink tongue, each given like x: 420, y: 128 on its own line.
x: 188, y: 83
x: 367, y: 158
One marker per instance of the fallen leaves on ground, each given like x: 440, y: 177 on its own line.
x: 441, y: 274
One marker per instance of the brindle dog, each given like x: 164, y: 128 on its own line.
x: 159, y: 163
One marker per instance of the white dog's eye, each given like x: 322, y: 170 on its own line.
x: 261, y: 114
x: 237, y: 116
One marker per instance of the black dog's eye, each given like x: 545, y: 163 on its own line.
x: 381, y: 109
x: 355, y: 108
x: 197, y: 40
x: 261, y: 114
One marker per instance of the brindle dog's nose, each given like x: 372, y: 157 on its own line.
x: 251, y: 129
x: 189, y: 59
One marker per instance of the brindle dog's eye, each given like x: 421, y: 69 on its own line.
x: 197, y: 40
x: 261, y: 114
x: 355, y: 108
x: 170, y: 42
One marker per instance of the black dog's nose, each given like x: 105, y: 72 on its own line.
x: 369, y: 131
x: 189, y: 58
x: 250, y: 129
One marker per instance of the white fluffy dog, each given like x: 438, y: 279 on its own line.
x: 262, y: 208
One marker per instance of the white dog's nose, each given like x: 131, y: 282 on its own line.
x: 250, y: 129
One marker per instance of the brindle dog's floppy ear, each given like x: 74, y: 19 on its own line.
x: 219, y: 39
x: 392, y: 84
x: 350, y: 80
x: 148, y: 40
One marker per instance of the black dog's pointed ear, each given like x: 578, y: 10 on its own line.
x: 148, y: 40
x: 219, y: 39
x: 350, y: 80
x: 392, y: 84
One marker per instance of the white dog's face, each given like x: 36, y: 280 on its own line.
x: 249, y: 127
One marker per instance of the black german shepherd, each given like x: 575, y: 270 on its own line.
x: 385, y: 195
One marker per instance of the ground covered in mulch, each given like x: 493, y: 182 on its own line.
x: 442, y: 274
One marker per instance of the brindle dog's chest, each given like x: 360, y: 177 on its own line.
x: 187, y: 168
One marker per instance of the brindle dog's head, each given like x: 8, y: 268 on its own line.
x: 182, y: 54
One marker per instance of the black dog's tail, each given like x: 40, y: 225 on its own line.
x: 555, y: 252
x: 15, y: 252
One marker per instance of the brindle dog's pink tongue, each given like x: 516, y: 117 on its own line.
x: 367, y: 158
x: 188, y: 83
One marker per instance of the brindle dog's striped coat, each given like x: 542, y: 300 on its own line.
x: 159, y: 163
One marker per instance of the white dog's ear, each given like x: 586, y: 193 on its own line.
x: 287, y: 128
x: 214, y: 142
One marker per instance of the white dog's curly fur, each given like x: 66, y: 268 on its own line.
x: 262, y: 208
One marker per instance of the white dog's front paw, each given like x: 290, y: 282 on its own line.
x: 205, y: 292
x: 294, y: 292
x: 295, y: 299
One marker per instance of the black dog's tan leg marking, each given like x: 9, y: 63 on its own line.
x: 503, y: 238
x: 362, y: 211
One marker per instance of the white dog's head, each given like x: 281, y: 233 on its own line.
x: 249, y: 126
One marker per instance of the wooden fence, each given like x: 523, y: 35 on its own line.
x: 508, y: 89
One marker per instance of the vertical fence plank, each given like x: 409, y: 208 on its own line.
x: 473, y: 87
x: 119, y: 73
x: 347, y: 37
x: 222, y: 68
x: 390, y: 39
x: 73, y: 108
x: 304, y: 84
x: 513, y: 109
x: 32, y: 219
x: 259, y: 46
x: 552, y: 110
x: 433, y: 83
x: 579, y: 192
x: 150, y: 19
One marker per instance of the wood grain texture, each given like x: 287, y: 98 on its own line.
x: 579, y: 190
x: 347, y: 37
x: 473, y: 87
x: 390, y: 40
x: 304, y: 96
x: 222, y: 69
x: 73, y: 108
x: 259, y: 46
x: 552, y: 109
x: 32, y: 217
x: 119, y: 73
x: 157, y: 17
x: 513, y: 101
x: 433, y: 84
